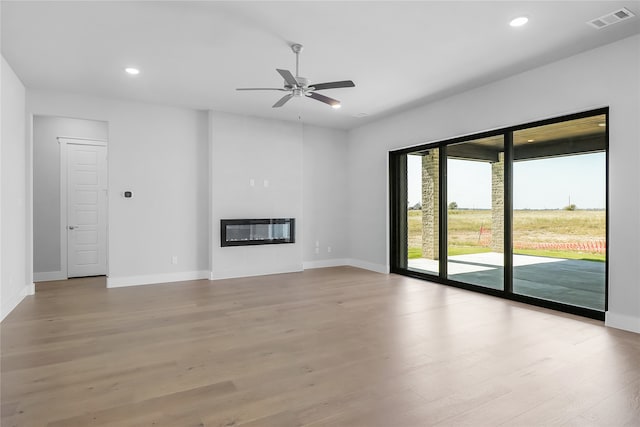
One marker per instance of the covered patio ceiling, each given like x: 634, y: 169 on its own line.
x: 579, y: 136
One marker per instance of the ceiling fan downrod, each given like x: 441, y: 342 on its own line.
x: 297, y: 48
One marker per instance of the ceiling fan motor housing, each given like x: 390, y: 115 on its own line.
x: 303, y: 82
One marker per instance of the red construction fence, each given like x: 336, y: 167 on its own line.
x: 597, y: 246
x: 594, y: 246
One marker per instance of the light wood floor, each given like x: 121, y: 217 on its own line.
x: 327, y: 347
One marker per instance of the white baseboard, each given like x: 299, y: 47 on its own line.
x: 622, y: 321
x: 308, y: 265
x: 249, y: 272
x: 378, y: 268
x: 47, y: 276
x: 11, y: 303
x: 152, y: 279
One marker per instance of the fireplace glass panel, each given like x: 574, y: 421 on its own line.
x: 242, y: 232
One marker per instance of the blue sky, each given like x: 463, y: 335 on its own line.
x: 537, y: 184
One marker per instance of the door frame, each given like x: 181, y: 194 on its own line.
x: 63, y: 142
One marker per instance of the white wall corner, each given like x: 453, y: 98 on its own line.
x: 47, y: 276
x: 155, y: 279
x: 9, y: 304
x: 622, y: 321
x: 308, y: 265
x: 378, y: 268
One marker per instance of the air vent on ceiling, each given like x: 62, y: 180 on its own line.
x: 611, y: 18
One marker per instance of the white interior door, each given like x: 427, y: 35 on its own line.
x: 86, y: 210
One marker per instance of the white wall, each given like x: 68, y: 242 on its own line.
x: 267, y: 151
x: 162, y: 154
x: 46, y: 187
x: 159, y: 153
x: 324, y: 200
x: 607, y: 76
x: 305, y: 169
x: 15, y: 276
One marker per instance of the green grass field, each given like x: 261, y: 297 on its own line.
x: 470, y: 232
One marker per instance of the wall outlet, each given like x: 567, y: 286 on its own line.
x: 252, y: 182
x: 329, y: 249
x: 174, y: 260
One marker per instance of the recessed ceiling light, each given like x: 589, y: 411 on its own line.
x: 335, y: 106
x: 602, y: 124
x: 530, y: 140
x: 519, y: 21
x: 132, y: 71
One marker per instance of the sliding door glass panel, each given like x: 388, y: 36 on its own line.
x: 475, y: 218
x: 559, y: 217
x: 422, y: 211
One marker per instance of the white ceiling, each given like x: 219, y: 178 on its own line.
x: 195, y: 54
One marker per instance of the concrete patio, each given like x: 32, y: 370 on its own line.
x: 575, y: 282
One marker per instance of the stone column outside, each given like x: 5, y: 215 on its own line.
x: 497, y: 204
x: 430, y: 205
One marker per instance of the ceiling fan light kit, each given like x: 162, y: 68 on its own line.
x: 298, y: 86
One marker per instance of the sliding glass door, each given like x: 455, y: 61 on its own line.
x: 559, y: 216
x: 423, y: 237
x: 475, y: 212
x: 518, y: 212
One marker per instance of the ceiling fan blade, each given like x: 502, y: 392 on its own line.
x: 325, y: 99
x: 333, y: 85
x: 260, y: 88
x: 282, y: 101
x: 288, y: 77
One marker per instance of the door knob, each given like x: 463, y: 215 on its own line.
x: 72, y: 227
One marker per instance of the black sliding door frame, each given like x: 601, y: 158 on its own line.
x: 443, y: 220
x: 398, y: 215
x: 398, y: 219
x: 508, y: 213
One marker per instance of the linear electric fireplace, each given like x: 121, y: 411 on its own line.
x: 243, y: 232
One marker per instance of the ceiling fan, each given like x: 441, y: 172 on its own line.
x: 300, y: 87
